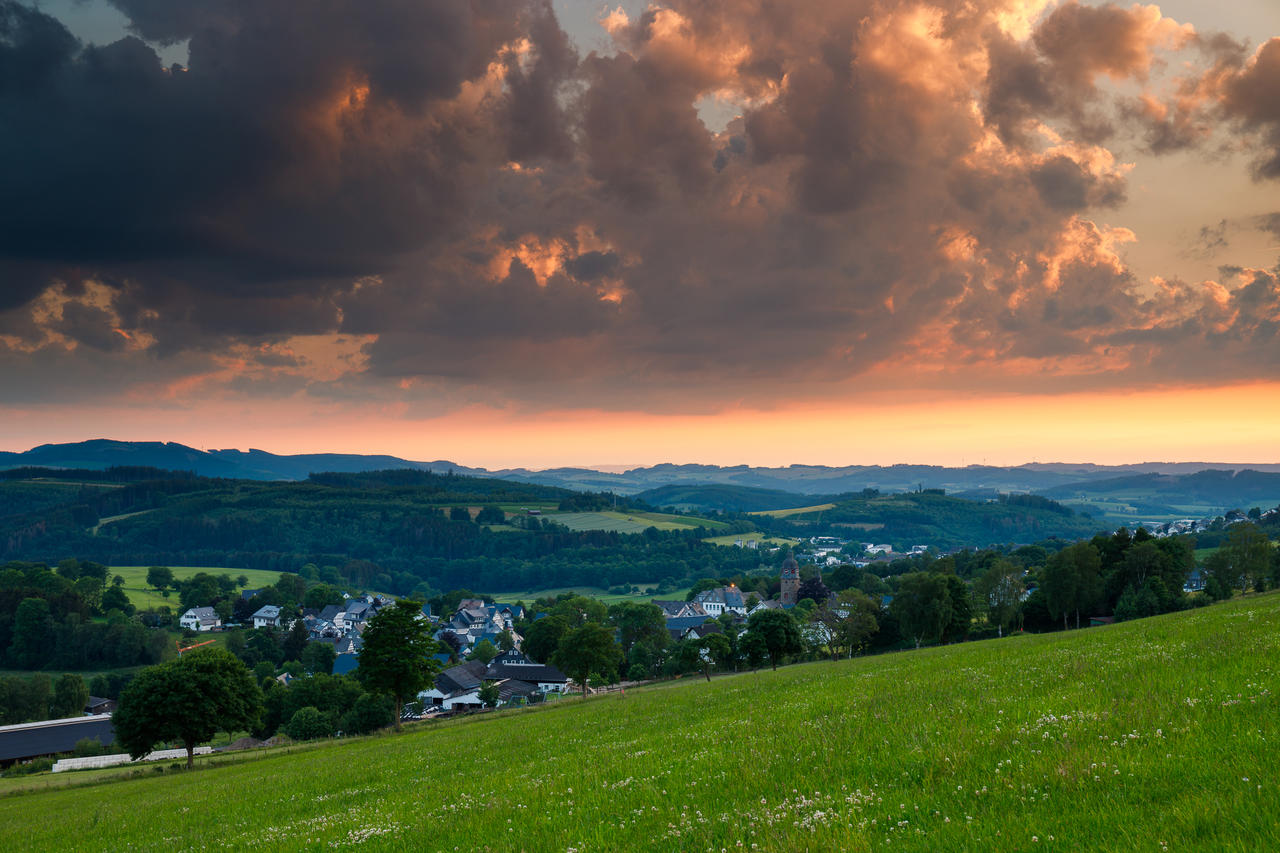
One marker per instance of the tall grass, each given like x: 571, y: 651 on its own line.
x: 1152, y: 735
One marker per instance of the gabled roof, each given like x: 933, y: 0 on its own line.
x: 728, y: 596
x: 330, y: 611
x: 267, y: 611
x: 513, y: 687
x: 460, y: 678
x: 683, y: 623
x: 512, y: 656
x: 534, y: 673
x: 201, y: 613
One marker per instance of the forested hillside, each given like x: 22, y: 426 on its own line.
x: 933, y: 518
x: 392, y: 530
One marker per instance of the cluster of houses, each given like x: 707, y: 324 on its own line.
x: 519, y: 680
x: 474, y: 621
x: 1162, y: 529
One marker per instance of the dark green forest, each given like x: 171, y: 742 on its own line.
x: 394, y: 530
x: 930, y: 517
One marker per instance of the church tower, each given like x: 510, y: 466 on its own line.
x: 790, y: 580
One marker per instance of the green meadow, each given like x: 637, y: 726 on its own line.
x: 734, y: 538
x: 145, y: 597
x: 630, y: 522
x: 1155, y: 735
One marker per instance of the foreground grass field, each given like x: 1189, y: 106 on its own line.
x: 1152, y: 735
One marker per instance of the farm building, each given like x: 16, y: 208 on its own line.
x: 50, y: 737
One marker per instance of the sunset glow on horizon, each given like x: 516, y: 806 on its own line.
x: 538, y: 234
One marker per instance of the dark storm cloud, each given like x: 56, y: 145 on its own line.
x: 468, y: 203
x: 300, y: 149
x: 1250, y: 97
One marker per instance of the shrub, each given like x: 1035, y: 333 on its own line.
x: 308, y: 724
x: 371, y: 711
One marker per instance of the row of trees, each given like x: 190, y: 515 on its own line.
x: 69, y: 618
x: 40, y: 697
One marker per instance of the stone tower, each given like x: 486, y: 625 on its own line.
x: 790, y: 580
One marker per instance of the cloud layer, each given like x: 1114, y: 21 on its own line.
x: 448, y: 204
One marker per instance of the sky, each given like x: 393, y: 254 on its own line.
x: 534, y: 233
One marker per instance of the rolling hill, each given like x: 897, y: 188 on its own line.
x: 1157, y: 734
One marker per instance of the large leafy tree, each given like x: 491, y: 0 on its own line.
x: 587, y: 649
x: 998, y: 592
x: 923, y: 606
x: 186, y: 700
x: 396, y: 657
x: 1072, y: 579
x: 779, y: 632
x: 639, y: 623
x: 160, y: 577
x: 70, y: 695
x: 32, y: 634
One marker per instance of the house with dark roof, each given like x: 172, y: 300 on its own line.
x: 723, y: 599
x: 676, y: 609
x: 682, y: 627
x: 458, y: 687
x: 26, y: 741
x: 200, y: 619
x: 268, y: 616
x: 515, y: 665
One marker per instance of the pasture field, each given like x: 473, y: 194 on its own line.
x: 754, y: 536
x: 630, y: 522
x: 1152, y: 735
x: 144, y: 597
x: 787, y: 513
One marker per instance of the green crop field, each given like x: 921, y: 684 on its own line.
x: 630, y: 522
x: 144, y: 597
x: 1152, y: 735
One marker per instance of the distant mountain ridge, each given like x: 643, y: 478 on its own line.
x: 794, y: 479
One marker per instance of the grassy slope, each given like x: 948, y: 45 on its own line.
x: 630, y: 522
x: 787, y: 513
x: 143, y: 596
x: 733, y: 538
x: 1128, y: 737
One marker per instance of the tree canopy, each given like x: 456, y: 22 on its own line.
x: 587, y: 649
x: 397, y: 655
x: 186, y: 700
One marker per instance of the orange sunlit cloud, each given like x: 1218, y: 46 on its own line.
x: 774, y: 231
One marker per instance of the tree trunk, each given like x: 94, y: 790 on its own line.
x: 191, y: 752
x: 399, y: 710
x: 1065, y: 626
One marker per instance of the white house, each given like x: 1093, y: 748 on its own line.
x: 725, y: 599
x: 200, y: 619
x: 268, y: 616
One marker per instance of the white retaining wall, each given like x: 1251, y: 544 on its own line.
x: 96, y: 761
